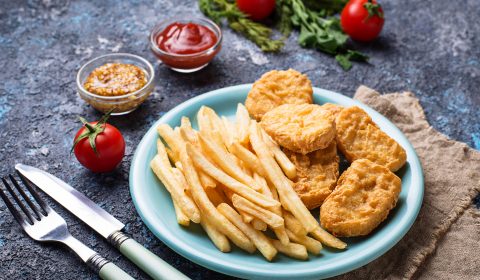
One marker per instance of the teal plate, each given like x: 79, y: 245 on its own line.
x: 154, y: 204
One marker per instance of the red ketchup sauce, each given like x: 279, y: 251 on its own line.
x: 186, y: 47
x: 186, y: 38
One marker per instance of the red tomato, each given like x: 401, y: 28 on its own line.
x: 109, y: 144
x: 256, y: 9
x: 362, y: 20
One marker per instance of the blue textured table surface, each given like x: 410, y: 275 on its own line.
x: 428, y: 47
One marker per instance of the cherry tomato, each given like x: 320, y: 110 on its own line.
x: 256, y: 9
x: 362, y: 20
x: 107, y: 149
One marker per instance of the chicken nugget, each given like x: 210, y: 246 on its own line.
x: 317, y: 174
x: 275, y: 88
x: 301, y: 128
x: 359, y: 137
x: 365, y: 194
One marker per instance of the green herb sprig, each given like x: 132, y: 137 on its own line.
x: 318, y: 30
x: 256, y: 32
x: 324, y: 34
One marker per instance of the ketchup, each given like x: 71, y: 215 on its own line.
x: 186, y: 38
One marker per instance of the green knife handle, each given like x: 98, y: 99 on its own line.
x: 147, y: 261
x: 107, y: 270
x: 112, y: 272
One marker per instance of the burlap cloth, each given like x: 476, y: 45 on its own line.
x: 444, y: 242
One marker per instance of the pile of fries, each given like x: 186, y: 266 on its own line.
x: 235, y: 181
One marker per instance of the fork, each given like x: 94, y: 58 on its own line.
x: 45, y: 225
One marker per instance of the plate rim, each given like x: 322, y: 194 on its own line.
x: 209, y: 262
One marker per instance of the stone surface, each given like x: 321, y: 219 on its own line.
x: 428, y: 47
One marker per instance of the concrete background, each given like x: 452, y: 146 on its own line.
x: 427, y: 47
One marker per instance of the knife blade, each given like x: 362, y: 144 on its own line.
x: 100, y: 221
x: 74, y: 201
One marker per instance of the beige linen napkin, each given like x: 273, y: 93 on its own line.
x: 452, y: 179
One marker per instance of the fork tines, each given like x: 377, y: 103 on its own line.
x: 38, y: 211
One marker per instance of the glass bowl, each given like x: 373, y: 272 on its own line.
x: 121, y: 104
x: 186, y: 63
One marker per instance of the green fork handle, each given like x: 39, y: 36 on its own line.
x: 147, y: 261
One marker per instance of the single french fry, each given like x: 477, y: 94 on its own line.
x: 259, y: 225
x: 249, y: 158
x: 202, y: 120
x: 187, y: 131
x: 174, y: 188
x: 258, y: 212
x: 293, y: 250
x: 281, y: 234
x: 218, y: 127
x: 218, y: 238
x: 287, y: 166
x: 170, y: 137
x: 182, y: 219
x: 180, y: 178
x: 207, y: 181
x: 312, y: 245
x: 243, y: 121
x: 288, y: 196
x: 292, y: 224
x: 327, y: 239
x: 226, y: 161
x: 259, y: 239
x: 219, y: 221
x: 160, y: 148
x: 202, y: 163
x: 229, y: 130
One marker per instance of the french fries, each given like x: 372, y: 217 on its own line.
x: 209, y: 210
x: 258, y: 212
x: 182, y: 219
x: 163, y: 171
x: 326, y: 238
x: 218, y: 238
x: 247, y: 157
x: 202, y: 163
x: 234, y: 180
x: 287, y: 166
x: 243, y: 121
x: 293, y: 224
x: 293, y: 250
x: 312, y: 245
x: 276, y: 176
x: 261, y: 242
x: 226, y: 161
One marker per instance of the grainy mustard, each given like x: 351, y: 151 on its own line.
x: 115, y: 79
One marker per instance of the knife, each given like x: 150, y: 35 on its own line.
x: 101, y: 221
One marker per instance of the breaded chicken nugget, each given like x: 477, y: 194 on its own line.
x: 301, y: 128
x: 365, y: 194
x: 275, y: 88
x: 332, y: 108
x: 359, y: 137
x: 317, y: 174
